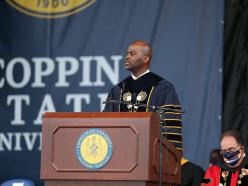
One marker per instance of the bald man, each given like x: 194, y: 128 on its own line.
x: 145, y: 87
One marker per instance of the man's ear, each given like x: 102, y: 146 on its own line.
x: 146, y: 59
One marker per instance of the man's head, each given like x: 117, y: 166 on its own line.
x: 214, y: 157
x: 138, y: 57
x: 232, y: 148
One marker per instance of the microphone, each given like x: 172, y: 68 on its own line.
x: 111, y: 100
x: 154, y: 108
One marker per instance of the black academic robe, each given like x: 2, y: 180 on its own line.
x: 192, y: 174
x: 160, y: 93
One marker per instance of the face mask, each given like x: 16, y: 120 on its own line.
x: 233, y: 162
x: 231, y: 159
x: 229, y: 155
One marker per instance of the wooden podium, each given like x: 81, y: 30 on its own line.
x: 135, y: 152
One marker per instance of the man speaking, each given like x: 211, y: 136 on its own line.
x: 143, y: 87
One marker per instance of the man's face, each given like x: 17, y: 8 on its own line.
x: 230, y: 146
x: 135, y: 59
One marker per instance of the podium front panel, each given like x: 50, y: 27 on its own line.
x: 134, y: 139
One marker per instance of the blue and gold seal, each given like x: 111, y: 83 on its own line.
x: 94, y: 149
x: 50, y: 9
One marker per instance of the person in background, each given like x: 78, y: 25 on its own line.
x: 232, y: 169
x: 192, y: 174
x: 215, y: 157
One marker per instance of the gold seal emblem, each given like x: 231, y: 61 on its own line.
x: 94, y: 149
x: 50, y: 8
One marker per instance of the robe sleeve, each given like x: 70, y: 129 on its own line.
x: 212, y: 176
x: 165, y: 96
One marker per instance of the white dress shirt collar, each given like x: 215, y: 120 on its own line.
x: 135, y: 78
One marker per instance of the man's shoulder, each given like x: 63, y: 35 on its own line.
x: 165, y: 84
x: 121, y: 84
x: 162, y: 81
x: 158, y: 81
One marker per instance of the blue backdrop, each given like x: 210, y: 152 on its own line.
x: 68, y: 59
